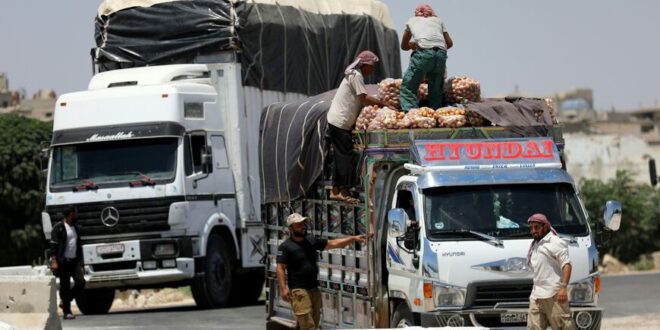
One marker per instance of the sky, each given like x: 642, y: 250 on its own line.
x: 542, y: 47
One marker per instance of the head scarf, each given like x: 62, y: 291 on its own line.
x: 424, y: 10
x: 542, y: 219
x: 365, y: 57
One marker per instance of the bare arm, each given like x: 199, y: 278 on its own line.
x: 405, y: 41
x: 282, y: 283
x: 366, y: 99
x: 448, y: 41
x: 562, y: 296
x: 342, y: 242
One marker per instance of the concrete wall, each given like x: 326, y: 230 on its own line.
x: 28, y: 297
x: 600, y: 156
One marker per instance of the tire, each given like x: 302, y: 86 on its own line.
x: 402, y: 317
x: 213, y: 290
x: 95, y: 301
x: 248, y: 288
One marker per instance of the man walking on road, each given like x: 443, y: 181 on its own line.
x: 66, y: 259
x: 548, y: 258
x: 298, y: 257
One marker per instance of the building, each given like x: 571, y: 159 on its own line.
x: 40, y: 107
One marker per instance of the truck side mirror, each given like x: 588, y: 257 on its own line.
x: 653, y: 172
x: 612, y: 215
x: 397, y: 220
x: 43, y: 159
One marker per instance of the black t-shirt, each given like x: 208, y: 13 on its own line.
x: 300, y: 259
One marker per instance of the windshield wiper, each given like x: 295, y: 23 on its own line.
x: 144, y: 180
x: 493, y: 240
x: 87, y: 185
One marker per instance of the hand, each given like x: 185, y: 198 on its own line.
x: 286, y: 295
x: 362, y: 238
x: 562, y: 296
x: 53, y: 264
x: 412, y: 45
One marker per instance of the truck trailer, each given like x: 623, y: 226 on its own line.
x: 159, y: 153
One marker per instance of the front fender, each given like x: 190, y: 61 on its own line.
x: 214, y: 221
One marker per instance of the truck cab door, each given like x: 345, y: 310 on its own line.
x: 401, y: 258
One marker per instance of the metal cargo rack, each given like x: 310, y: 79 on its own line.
x: 344, y: 273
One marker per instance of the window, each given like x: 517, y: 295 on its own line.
x: 404, y: 200
x: 195, y: 147
x: 502, y: 211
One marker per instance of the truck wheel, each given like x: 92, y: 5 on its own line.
x: 402, y: 317
x: 213, y: 289
x: 248, y: 288
x: 95, y: 301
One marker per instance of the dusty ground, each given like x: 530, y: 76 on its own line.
x: 648, y: 321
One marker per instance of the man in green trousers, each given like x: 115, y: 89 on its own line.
x: 429, y: 40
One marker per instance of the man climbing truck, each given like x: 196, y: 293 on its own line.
x: 463, y: 261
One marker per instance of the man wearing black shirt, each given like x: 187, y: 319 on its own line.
x: 298, y: 257
x: 66, y: 259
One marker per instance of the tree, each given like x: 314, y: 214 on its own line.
x: 640, y: 224
x: 21, y: 189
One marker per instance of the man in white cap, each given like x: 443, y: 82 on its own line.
x: 298, y: 257
x: 548, y: 258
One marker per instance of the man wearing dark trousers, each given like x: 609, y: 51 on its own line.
x: 66, y: 259
x: 297, y: 256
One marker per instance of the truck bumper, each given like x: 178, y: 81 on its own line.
x: 583, y: 318
x: 136, y: 264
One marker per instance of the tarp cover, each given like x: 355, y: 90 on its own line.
x: 293, y: 146
x: 299, y: 46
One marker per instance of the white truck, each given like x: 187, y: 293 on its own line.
x: 161, y: 159
x: 448, y: 209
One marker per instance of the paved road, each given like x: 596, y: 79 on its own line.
x: 174, y: 318
x: 624, y: 295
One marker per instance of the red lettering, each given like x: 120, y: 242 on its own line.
x: 434, y: 151
x: 493, y: 150
x: 473, y: 150
x: 455, y: 151
x: 547, y: 146
x: 512, y: 150
x: 532, y: 150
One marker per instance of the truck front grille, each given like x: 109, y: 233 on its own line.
x: 135, y: 216
x: 488, y: 294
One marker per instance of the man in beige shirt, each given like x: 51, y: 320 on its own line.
x: 548, y: 258
x: 351, y: 96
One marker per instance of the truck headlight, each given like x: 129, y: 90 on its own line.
x: 448, y: 296
x: 581, y: 292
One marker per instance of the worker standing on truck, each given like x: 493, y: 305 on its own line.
x: 297, y: 256
x: 429, y: 40
x: 66, y: 259
x: 351, y: 96
x: 548, y: 258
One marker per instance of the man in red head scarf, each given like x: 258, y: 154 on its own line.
x: 427, y: 36
x: 351, y: 96
x: 548, y: 258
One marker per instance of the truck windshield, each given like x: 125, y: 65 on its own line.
x: 502, y: 211
x: 113, y: 162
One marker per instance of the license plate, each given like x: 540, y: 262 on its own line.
x: 110, y: 248
x: 513, y: 318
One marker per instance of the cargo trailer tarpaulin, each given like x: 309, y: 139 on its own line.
x: 291, y: 46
